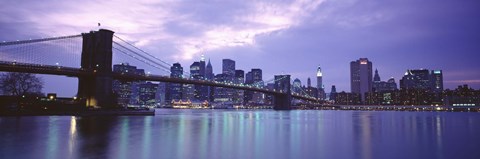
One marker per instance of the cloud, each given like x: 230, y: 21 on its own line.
x: 192, y: 27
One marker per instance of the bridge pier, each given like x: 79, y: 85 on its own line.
x: 96, y: 87
x: 283, y: 100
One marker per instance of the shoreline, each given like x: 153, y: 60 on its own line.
x: 82, y: 113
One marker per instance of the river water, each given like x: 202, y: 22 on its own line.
x: 261, y: 134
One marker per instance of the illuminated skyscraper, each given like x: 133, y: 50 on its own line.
x: 321, y: 89
x: 238, y: 98
x: 126, y: 91
x: 319, y: 78
x: 361, y: 77
x: 228, y: 68
x: 437, y: 81
x: 209, y: 76
x: 254, y: 77
x: 147, y: 92
x: 174, y: 90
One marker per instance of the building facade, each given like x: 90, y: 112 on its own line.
x: 361, y: 77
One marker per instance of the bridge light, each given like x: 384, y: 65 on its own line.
x: 56, y: 63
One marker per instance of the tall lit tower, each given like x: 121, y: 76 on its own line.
x: 319, y: 78
x: 321, y: 91
x: 202, y: 66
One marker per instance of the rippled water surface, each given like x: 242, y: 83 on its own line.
x: 261, y: 134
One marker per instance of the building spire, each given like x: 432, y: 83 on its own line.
x: 376, y: 78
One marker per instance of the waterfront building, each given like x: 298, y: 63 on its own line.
x: 209, y: 76
x: 424, y: 80
x: 333, y: 93
x: 269, y: 97
x: 160, y: 96
x: 197, y: 72
x: 381, y: 86
x: 126, y: 91
x: 345, y: 98
x: 174, y: 90
x: 228, y: 68
x: 254, y: 77
x: 239, y: 95
x: 223, y: 96
x: 147, y: 93
x: 361, y: 77
x: 463, y: 96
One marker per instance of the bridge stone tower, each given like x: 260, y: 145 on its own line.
x: 282, y: 101
x: 96, y: 89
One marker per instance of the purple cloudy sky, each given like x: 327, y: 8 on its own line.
x: 289, y: 36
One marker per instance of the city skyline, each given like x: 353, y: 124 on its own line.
x: 395, y: 36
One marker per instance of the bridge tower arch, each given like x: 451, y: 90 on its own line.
x: 96, y: 88
x: 282, y: 101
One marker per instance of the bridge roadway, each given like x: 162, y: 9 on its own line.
x: 6, y: 66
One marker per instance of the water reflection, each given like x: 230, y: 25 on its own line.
x: 206, y: 134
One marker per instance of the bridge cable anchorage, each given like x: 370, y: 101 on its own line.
x: 142, y: 50
x: 145, y: 58
x: 160, y: 68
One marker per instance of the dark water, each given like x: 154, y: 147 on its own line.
x: 206, y: 134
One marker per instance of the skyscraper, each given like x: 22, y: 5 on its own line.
x: 239, y: 94
x: 382, y: 86
x: 161, y: 91
x: 319, y: 78
x: 361, y: 77
x: 423, y: 79
x: 437, y: 81
x: 309, y: 82
x: 228, y: 68
x: 333, y: 93
x: 192, y: 92
x: 321, y: 89
x: 376, y: 78
x: 209, y: 71
x: 147, y: 94
x: 202, y: 67
x: 254, y: 77
x: 174, y: 90
x: 126, y: 91
x: 416, y: 79
x: 223, y: 96
x: 257, y: 76
x: 209, y: 76
x: 425, y: 87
